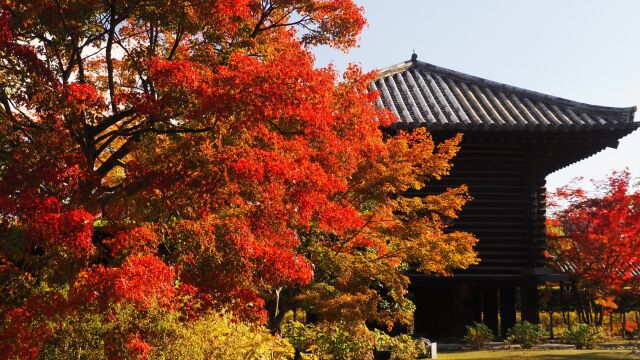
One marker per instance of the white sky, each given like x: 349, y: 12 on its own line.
x: 584, y: 50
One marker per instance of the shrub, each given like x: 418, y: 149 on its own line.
x: 403, y: 347
x: 156, y: 333
x: 340, y: 340
x: 346, y: 341
x: 526, y: 334
x: 584, y: 336
x: 127, y: 332
x: 478, y: 334
x: 221, y: 337
x: 81, y: 337
x: 630, y: 328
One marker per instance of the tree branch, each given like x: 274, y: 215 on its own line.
x: 176, y: 43
x: 179, y: 130
x: 8, y: 106
x: 266, y: 11
x: 109, y: 60
x: 111, y: 120
x: 114, y: 159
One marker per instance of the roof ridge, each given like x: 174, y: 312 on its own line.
x: 396, y: 68
x: 403, y: 66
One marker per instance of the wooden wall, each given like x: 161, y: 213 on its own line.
x: 507, y: 210
x: 505, y: 174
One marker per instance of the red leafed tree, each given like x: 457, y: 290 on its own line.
x: 177, y: 155
x: 595, y: 236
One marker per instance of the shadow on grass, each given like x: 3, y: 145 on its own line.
x: 540, y: 355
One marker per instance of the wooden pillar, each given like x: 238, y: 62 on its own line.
x: 507, y: 309
x: 464, y: 308
x: 431, y: 307
x: 490, y: 308
x: 529, y: 301
x: 446, y: 312
x: 477, y: 304
x: 420, y: 313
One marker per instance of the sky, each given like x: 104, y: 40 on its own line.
x: 583, y: 50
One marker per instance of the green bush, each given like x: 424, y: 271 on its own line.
x: 478, y: 334
x: 339, y: 340
x: 403, y: 347
x: 584, y: 336
x: 348, y: 341
x: 79, y: 337
x: 221, y: 337
x: 213, y: 336
x: 526, y: 334
x: 86, y: 335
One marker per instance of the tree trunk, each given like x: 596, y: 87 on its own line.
x: 280, y: 306
x: 582, y: 312
x: 569, y: 319
x: 551, y: 324
x: 599, y: 315
x: 611, y: 322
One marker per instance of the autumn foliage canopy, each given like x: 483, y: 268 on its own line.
x: 186, y: 156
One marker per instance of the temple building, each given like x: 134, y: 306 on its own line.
x: 513, y: 138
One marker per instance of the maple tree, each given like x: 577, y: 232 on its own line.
x: 595, y: 236
x: 183, y: 156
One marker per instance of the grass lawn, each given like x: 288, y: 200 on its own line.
x: 540, y: 354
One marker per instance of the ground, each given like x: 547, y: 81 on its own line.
x: 540, y: 355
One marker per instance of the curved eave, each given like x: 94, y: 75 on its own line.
x: 629, y: 127
x: 602, y: 148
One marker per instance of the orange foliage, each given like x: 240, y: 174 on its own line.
x: 188, y: 155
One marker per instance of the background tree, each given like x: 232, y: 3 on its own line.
x: 596, y: 238
x: 168, y: 158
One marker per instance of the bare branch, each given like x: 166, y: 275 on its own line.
x: 181, y: 130
x: 8, y: 106
x: 267, y: 8
x: 111, y: 120
x: 114, y: 159
x: 176, y: 43
x: 282, y: 132
x: 109, y: 60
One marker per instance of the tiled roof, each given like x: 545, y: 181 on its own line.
x: 422, y: 94
x: 569, y: 268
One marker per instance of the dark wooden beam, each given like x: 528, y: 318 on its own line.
x: 464, y: 313
x: 490, y: 308
x: 507, y: 309
x: 529, y: 301
x: 477, y: 304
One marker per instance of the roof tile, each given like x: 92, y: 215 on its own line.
x: 422, y: 94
